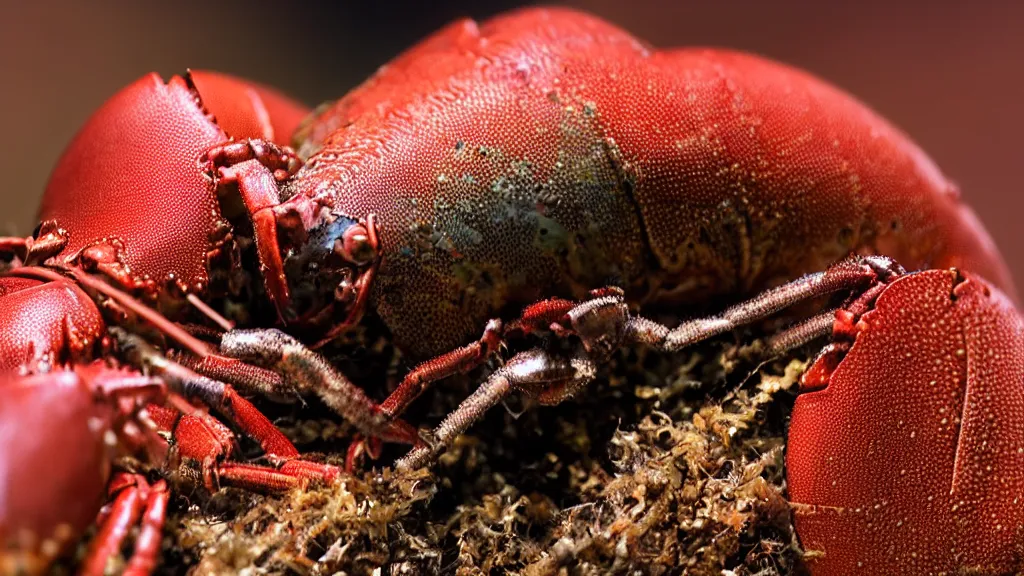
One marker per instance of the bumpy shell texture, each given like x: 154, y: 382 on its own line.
x: 547, y: 151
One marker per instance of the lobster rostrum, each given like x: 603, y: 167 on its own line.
x: 548, y: 160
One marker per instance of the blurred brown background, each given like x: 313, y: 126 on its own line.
x: 950, y: 73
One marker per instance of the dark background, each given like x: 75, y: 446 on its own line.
x: 950, y: 73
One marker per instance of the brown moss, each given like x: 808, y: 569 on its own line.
x: 667, y: 465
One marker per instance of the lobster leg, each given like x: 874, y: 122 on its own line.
x: 851, y: 274
x: 310, y: 373
x: 565, y: 317
x: 254, y: 478
x: 420, y: 378
x: 251, y: 379
x: 257, y: 167
x: 147, y: 543
x: 203, y: 441
x: 233, y: 406
x: 539, y: 316
x: 214, y: 393
x: 459, y: 360
x: 48, y: 242
x: 536, y: 372
x: 133, y: 495
x: 604, y: 323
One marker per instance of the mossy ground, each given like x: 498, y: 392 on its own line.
x: 668, y: 464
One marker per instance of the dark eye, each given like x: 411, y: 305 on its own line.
x: 356, y: 245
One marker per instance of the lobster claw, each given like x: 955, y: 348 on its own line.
x: 246, y: 109
x: 140, y: 152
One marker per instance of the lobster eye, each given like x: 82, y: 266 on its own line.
x: 356, y: 245
x: 345, y: 291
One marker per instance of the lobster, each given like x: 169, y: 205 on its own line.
x: 545, y: 172
x: 60, y: 332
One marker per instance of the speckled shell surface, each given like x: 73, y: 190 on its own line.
x: 51, y: 480
x: 546, y: 152
x: 911, y: 460
x: 45, y: 322
x: 132, y: 176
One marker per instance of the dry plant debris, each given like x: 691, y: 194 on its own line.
x: 669, y: 464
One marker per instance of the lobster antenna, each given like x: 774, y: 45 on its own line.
x: 172, y: 330
x: 210, y: 313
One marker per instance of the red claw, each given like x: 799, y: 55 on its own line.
x: 136, y: 152
x: 246, y: 109
x: 46, y: 324
x: 910, y: 457
x: 52, y: 480
x: 139, y: 151
x: 130, y: 201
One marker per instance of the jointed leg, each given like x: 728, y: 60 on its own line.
x: 114, y: 527
x: 265, y: 479
x: 204, y: 440
x: 48, y: 242
x: 133, y: 496
x: 257, y: 167
x: 213, y: 393
x: 201, y: 441
x: 543, y: 315
x: 603, y: 324
x: 850, y: 274
x: 309, y: 372
x: 251, y: 379
x: 460, y: 360
x: 796, y: 336
x: 147, y: 543
x: 535, y: 372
